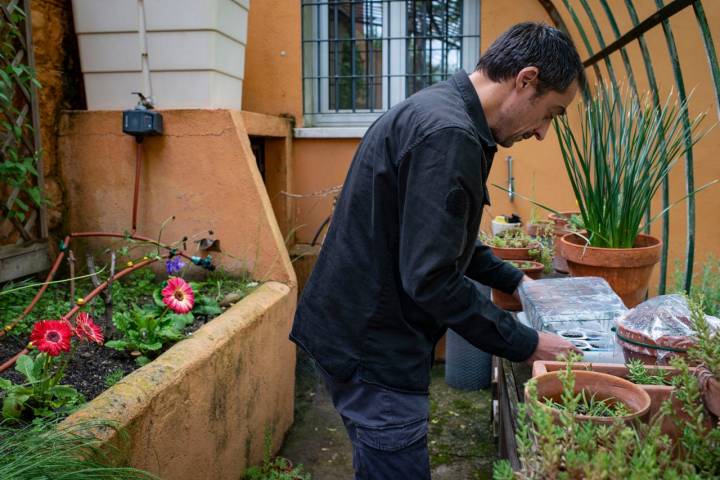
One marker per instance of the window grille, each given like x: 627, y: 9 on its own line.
x: 360, y: 57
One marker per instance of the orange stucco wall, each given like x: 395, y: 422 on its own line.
x: 273, y: 62
x: 201, y: 172
x: 322, y: 163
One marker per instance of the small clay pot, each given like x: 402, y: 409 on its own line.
x: 540, y: 227
x: 627, y: 270
x: 603, y: 387
x: 512, y: 253
x: 507, y: 301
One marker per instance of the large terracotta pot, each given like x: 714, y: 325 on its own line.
x: 507, y: 301
x: 560, y: 222
x: 658, y: 393
x: 627, y: 270
x: 603, y: 387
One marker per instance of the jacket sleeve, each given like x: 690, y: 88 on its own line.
x: 438, y: 186
x: 489, y: 270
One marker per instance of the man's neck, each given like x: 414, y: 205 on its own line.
x: 490, y: 94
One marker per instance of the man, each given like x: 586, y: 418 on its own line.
x: 397, y: 265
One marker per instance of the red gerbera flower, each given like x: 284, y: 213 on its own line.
x: 51, y: 336
x: 87, y: 329
x: 178, y: 295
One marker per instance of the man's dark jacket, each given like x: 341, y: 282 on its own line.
x: 393, y: 271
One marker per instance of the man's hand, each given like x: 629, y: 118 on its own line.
x: 551, y: 346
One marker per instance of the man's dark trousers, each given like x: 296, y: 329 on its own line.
x: 387, y: 428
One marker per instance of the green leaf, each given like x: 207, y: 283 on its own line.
x: 13, y: 405
x: 142, y: 360
x: 207, y: 306
x: 117, y: 344
x: 152, y: 346
x: 170, y: 333
x: 25, y: 365
x: 180, y: 321
x: 157, y: 298
x: 64, y: 392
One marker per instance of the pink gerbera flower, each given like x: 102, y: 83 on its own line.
x: 51, y: 336
x: 87, y: 329
x: 178, y: 295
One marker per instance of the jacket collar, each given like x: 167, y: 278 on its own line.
x: 474, y: 108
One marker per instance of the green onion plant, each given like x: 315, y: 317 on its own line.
x: 624, y: 149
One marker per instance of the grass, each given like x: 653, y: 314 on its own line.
x: 43, y: 450
x: 589, y: 405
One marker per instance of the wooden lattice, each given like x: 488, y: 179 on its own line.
x: 22, y: 218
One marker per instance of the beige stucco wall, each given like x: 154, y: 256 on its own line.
x: 201, y: 171
x: 202, y: 409
x: 322, y: 163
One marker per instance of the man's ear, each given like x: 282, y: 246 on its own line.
x: 526, y: 77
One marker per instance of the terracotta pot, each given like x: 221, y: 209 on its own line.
x: 603, y: 387
x: 710, y: 387
x: 539, y: 227
x: 512, y: 253
x: 507, y: 301
x: 627, y: 270
x: 560, y: 222
x: 657, y: 393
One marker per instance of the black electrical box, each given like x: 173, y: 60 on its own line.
x: 142, y: 121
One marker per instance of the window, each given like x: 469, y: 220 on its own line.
x: 360, y: 57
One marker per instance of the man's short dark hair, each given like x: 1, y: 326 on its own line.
x: 538, y: 45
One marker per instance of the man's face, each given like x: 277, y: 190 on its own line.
x: 525, y: 114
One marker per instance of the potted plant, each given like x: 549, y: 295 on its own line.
x: 625, y: 149
x: 553, y: 444
x: 589, y: 396
x: 508, y: 302
x: 511, y: 244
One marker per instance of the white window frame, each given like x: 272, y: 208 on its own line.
x: 316, y: 62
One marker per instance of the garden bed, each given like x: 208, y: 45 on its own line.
x: 94, y: 368
x: 204, y: 402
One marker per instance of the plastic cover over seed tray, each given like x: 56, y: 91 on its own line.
x: 563, y: 302
x: 581, y: 309
x: 659, y: 327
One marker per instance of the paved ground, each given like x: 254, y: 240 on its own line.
x: 460, y: 437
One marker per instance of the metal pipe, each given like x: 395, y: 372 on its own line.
x: 511, y: 179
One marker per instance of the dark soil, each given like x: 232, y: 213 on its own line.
x: 91, y: 364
